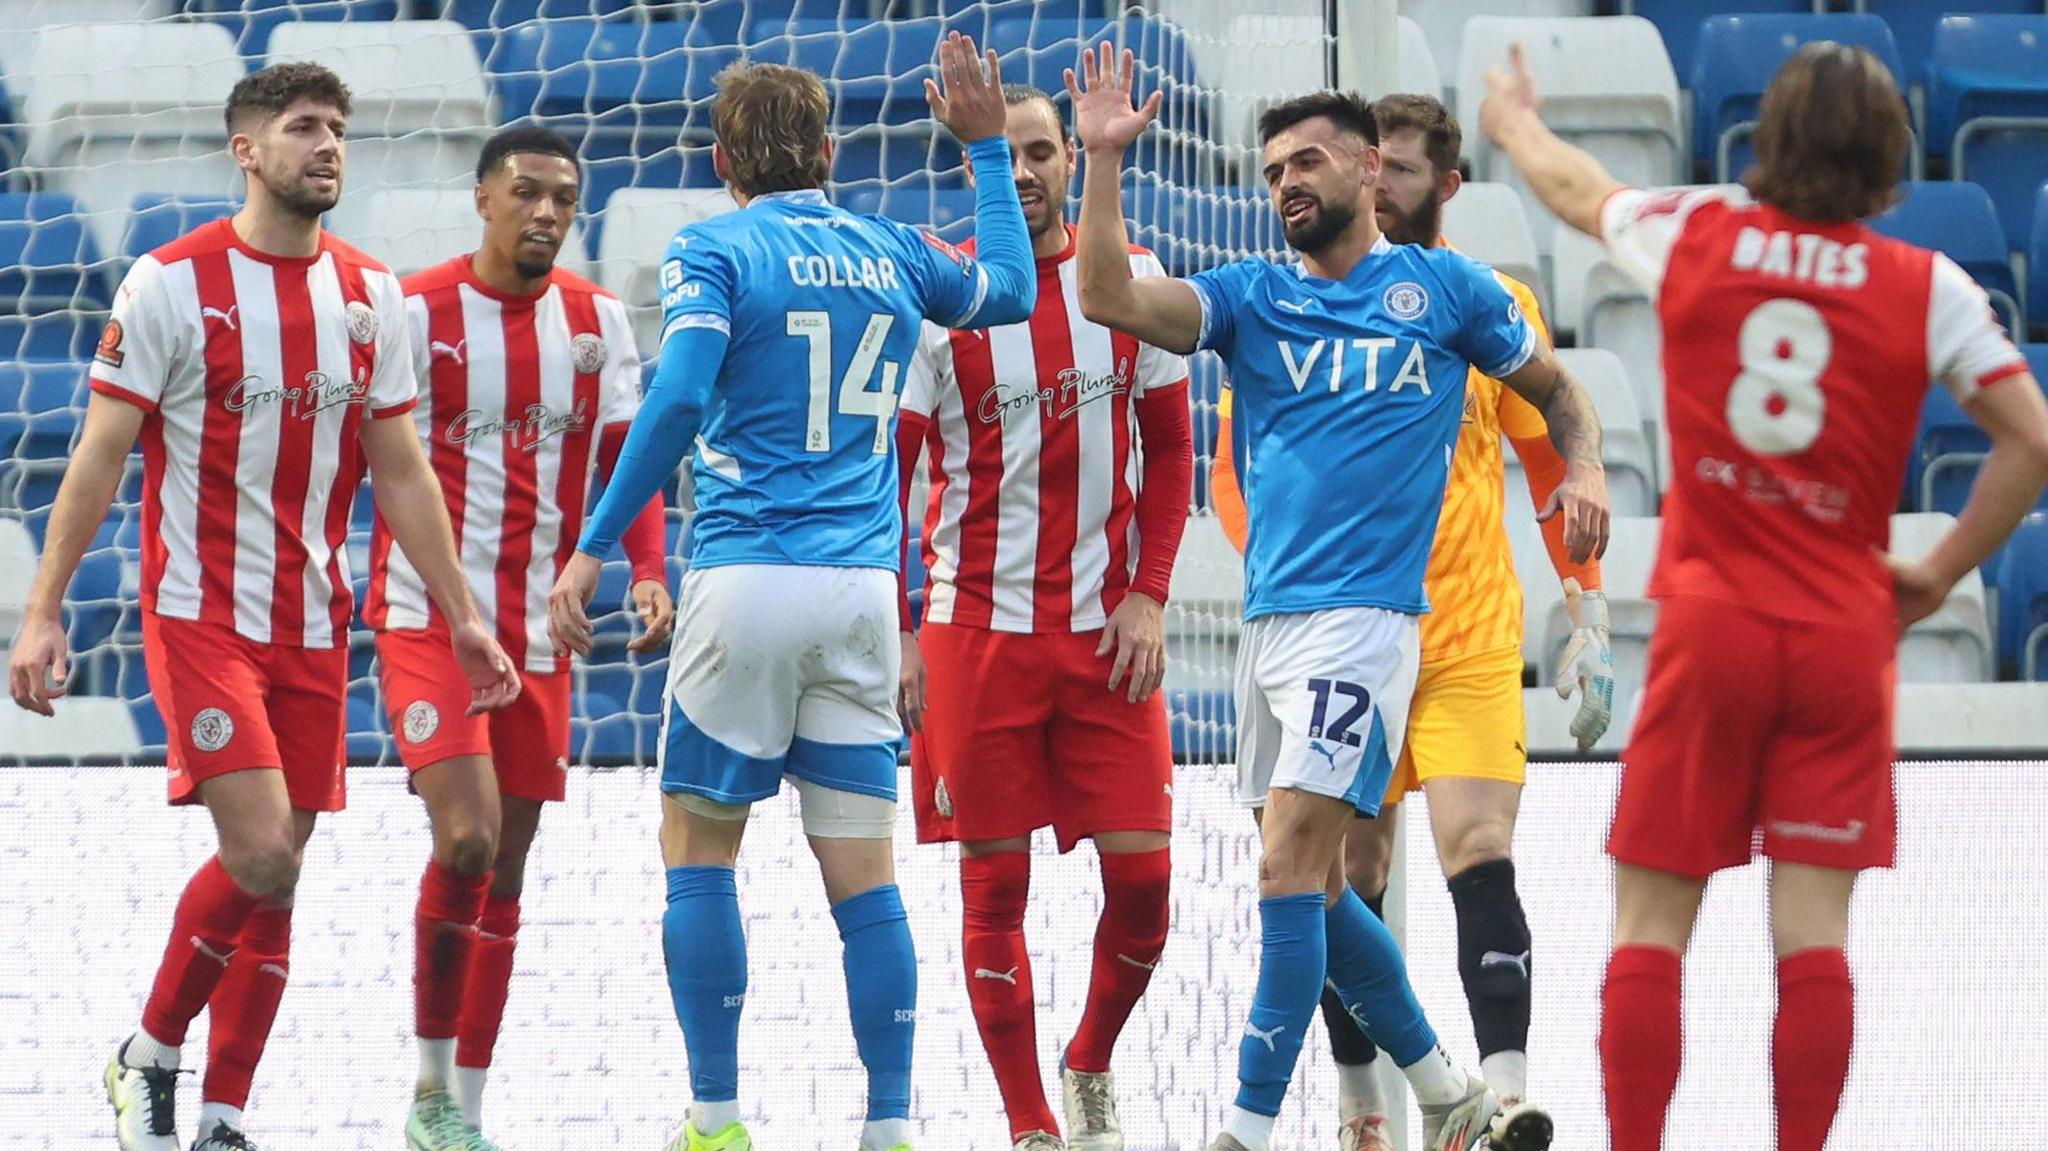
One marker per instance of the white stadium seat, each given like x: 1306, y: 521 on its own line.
x: 1442, y: 24
x: 1549, y: 719
x: 638, y: 224
x: 414, y: 228
x: 1963, y: 719
x: 21, y: 19
x: 1954, y: 644
x: 1259, y: 61
x: 17, y: 572
x: 85, y: 728
x: 422, y: 106
x: 113, y: 110
x: 1626, y: 447
x: 1533, y: 570
x: 1489, y: 223
x: 1607, y: 85
x: 1205, y: 610
x: 1625, y: 576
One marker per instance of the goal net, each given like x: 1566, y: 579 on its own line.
x: 115, y: 146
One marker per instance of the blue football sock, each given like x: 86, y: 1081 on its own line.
x: 881, y: 990
x: 707, y: 975
x: 1371, y: 978
x: 1291, y: 970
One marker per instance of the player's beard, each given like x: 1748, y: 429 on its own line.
x: 1051, y: 215
x: 1421, y: 226
x: 532, y: 270
x: 300, y: 200
x: 1321, y: 229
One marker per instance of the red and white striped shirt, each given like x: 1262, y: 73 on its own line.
x: 255, y: 371
x: 1037, y: 461
x: 516, y: 391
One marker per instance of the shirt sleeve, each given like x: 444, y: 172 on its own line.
x: 1519, y: 419
x: 1493, y: 335
x: 697, y: 279
x: 1157, y: 368
x: 1220, y: 289
x: 1967, y: 348
x: 394, y: 383
x: 930, y: 371
x: 618, y: 384
x: 1640, y: 228
x: 955, y: 288
x: 139, y: 346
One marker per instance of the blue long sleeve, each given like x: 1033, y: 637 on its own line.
x: 1001, y: 241
x: 661, y: 435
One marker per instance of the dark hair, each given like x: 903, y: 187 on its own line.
x: 271, y: 90
x: 520, y: 139
x: 1404, y: 111
x: 771, y: 121
x: 1831, y: 136
x: 1015, y: 94
x: 1349, y: 111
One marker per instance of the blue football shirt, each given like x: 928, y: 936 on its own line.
x: 1348, y: 395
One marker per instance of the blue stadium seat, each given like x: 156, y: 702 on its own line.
x: 149, y: 724
x: 1202, y: 726
x: 53, y: 285
x: 493, y: 15
x: 1987, y: 108
x: 2023, y: 599
x: 974, y: 17
x: 1038, y: 50
x: 1189, y: 228
x: 1913, y: 23
x: 1946, y: 455
x: 1205, y: 389
x: 369, y: 734
x: 1678, y: 21
x: 1738, y: 56
x: 250, y: 22
x: 2037, y: 262
x: 1957, y: 219
x: 947, y: 211
x: 874, y: 69
x: 158, y: 218
x: 40, y: 405
x: 599, y: 726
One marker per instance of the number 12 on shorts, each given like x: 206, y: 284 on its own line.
x: 1321, y: 726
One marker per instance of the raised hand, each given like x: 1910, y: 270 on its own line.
x: 1508, y: 94
x: 970, y: 104
x: 1104, y: 117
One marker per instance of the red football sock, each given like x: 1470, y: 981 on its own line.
x: 210, y: 916
x: 1128, y: 939
x: 1810, y: 1044
x: 490, y: 980
x: 244, y: 1006
x: 1641, y: 1042
x: 444, y: 934
x: 993, y: 891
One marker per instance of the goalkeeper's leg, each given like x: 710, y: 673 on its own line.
x: 1474, y: 822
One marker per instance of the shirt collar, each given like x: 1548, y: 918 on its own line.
x: 805, y: 196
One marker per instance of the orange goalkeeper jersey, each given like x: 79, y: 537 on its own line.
x: 1474, y: 596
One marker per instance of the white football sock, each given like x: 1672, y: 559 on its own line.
x: 711, y: 1118
x: 144, y: 1051
x: 1435, y: 1079
x: 469, y: 1093
x: 211, y: 1113
x: 437, y: 1064
x: 1507, y: 1072
x: 1254, y: 1131
x: 883, y: 1134
x: 1358, y: 1090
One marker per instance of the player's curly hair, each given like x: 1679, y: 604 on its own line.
x: 771, y: 122
x: 268, y: 91
x: 1442, y: 139
x: 1831, y: 136
x: 1349, y: 111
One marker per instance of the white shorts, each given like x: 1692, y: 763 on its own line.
x: 1322, y: 702
x: 779, y: 669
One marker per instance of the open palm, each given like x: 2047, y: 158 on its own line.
x: 1104, y: 116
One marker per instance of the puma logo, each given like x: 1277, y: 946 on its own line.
x: 453, y: 351
x: 1300, y: 308
x: 1503, y: 959
x: 273, y: 969
x: 1137, y: 963
x: 1009, y: 977
x: 220, y: 957
x: 227, y: 317
x: 1328, y: 753
x: 1266, y: 1037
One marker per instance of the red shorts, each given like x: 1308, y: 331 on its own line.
x: 232, y: 704
x: 1760, y: 734
x: 1022, y: 732
x: 427, y: 699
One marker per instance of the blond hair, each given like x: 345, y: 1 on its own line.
x: 770, y: 119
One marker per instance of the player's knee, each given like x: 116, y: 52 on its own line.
x: 1289, y: 867
x: 1474, y: 843
x: 264, y: 863
x: 1367, y: 867
x: 470, y: 849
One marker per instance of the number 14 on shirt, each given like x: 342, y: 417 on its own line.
x: 854, y: 397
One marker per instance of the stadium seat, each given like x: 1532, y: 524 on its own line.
x: 2023, y: 599
x: 1946, y: 455
x: 157, y: 218
x: 17, y: 572
x: 638, y: 224
x: 1191, y: 228
x: 949, y: 212
x: 53, y: 286
x: 488, y: 16
x: 1987, y: 108
x: 1205, y: 610
x: 116, y: 110
x: 1954, y: 644
x: 251, y: 22
x: 1266, y: 63
x: 1037, y: 51
x: 1202, y: 726
x: 1444, y: 23
x: 1959, y: 220
x: 1678, y: 21
x: 1625, y: 577
x: 1607, y: 85
x: 415, y: 228
x: 1548, y: 719
x: 1533, y: 569
x: 1489, y: 223
x: 422, y: 107
x: 21, y: 19
x: 1913, y: 23
x: 2037, y: 265
x: 149, y: 723
x: 86, y: 729
x: 1739, y: 55
x: 874, y: 70
x: 1966, y: 720
x: 1626, y: 447
x: 41, y: 403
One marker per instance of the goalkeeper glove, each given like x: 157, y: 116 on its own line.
x: 1588, y: 664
